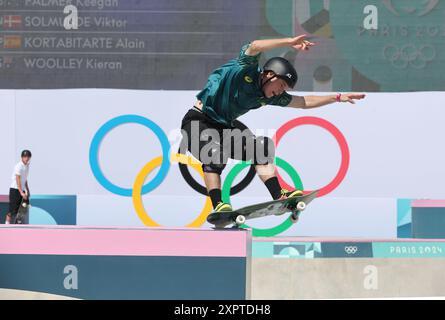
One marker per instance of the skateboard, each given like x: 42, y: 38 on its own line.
x: 238, y: 217
x: 22, y: 216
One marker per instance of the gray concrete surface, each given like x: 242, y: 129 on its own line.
x: 337, y: 278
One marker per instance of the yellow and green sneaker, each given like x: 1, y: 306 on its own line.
x: 288, y: 194
x: 222, y: 207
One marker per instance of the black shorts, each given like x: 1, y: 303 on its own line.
x: 235, y: 142
x: 15, y: 199
x: 226, y: 148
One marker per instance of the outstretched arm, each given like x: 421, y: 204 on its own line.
x: 298, y: 43
x: 309, y: 102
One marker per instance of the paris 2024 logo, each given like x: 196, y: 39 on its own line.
x: 404, y: 52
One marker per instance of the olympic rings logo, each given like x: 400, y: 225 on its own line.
x: 184, y: 161
x: 409, y: 55
x: 351, y: 250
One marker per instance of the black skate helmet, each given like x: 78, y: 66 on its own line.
x: 283, y: 69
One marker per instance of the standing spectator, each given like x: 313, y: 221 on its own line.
x: 19, y: 189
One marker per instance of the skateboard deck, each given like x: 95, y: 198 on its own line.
x: 295, y: 205
x: 22, y: 216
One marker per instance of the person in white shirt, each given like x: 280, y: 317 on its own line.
x: 19, y: 189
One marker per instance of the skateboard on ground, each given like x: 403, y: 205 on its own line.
x: 238, y: 217
x: 22, y: 216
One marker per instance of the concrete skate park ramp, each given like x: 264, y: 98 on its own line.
x: 309, y: 268
x: 123, y: 263
x: 11, y: 294
x: 63, y: 262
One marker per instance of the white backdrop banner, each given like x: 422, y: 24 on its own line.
x: 393, y: 142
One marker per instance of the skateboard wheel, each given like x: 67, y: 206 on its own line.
x: 240, y: 220
x: 301, y: 206
x: 293, y: 218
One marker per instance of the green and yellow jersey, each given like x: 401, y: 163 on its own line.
x: 234, y: 89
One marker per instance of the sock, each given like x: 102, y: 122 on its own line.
x: 215, y: 195
x: 274, y: 187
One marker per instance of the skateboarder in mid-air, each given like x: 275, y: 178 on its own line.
x: 213, y: 134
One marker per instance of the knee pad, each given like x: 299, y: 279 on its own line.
x: 213, y: 168
x: 264, y: 150
x: 213, y: 158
